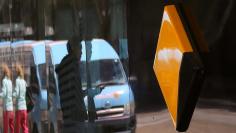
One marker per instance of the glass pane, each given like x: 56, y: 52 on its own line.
x: 75, y: 57
x: 91, y: 27
x: 109, y: 96
x: 25, y: 34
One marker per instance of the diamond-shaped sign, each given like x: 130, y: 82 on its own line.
x: 178, y: 68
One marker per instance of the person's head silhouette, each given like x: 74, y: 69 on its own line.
x: 74, y: 46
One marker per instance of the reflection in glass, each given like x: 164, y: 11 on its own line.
x: 103, y: 72
x: 25, y: 20
x: 42, y: 73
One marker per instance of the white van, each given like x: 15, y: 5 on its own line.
x: 115, y: 106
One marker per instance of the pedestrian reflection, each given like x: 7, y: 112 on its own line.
x: 71, y: 93
x: 21, y: 108
x: 6, y: 94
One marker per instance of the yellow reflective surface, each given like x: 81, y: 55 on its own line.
x: 172, y: 43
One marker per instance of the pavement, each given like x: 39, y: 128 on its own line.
x: 203, y: 121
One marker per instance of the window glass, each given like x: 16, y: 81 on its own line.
x: 86, y: 29
x: 52, y: 82
x: 34, y: 80
x: 102, y: 72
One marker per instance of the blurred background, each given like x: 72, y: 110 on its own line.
x: 132, y: 27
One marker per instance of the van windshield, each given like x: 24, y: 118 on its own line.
x: 106, y: 72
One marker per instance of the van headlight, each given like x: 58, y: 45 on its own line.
x: 129, y: 109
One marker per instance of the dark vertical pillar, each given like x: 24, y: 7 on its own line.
x: 40, y: 24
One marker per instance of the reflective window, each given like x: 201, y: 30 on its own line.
x: 34, y: 80
x: 86, y: 57
x: 103, y: 72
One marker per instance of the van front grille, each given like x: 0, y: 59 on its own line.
x: 110, y: 113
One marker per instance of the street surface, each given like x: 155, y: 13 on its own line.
x: 204, y: 121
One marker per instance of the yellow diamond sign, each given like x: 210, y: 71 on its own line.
x: 178, y: 67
